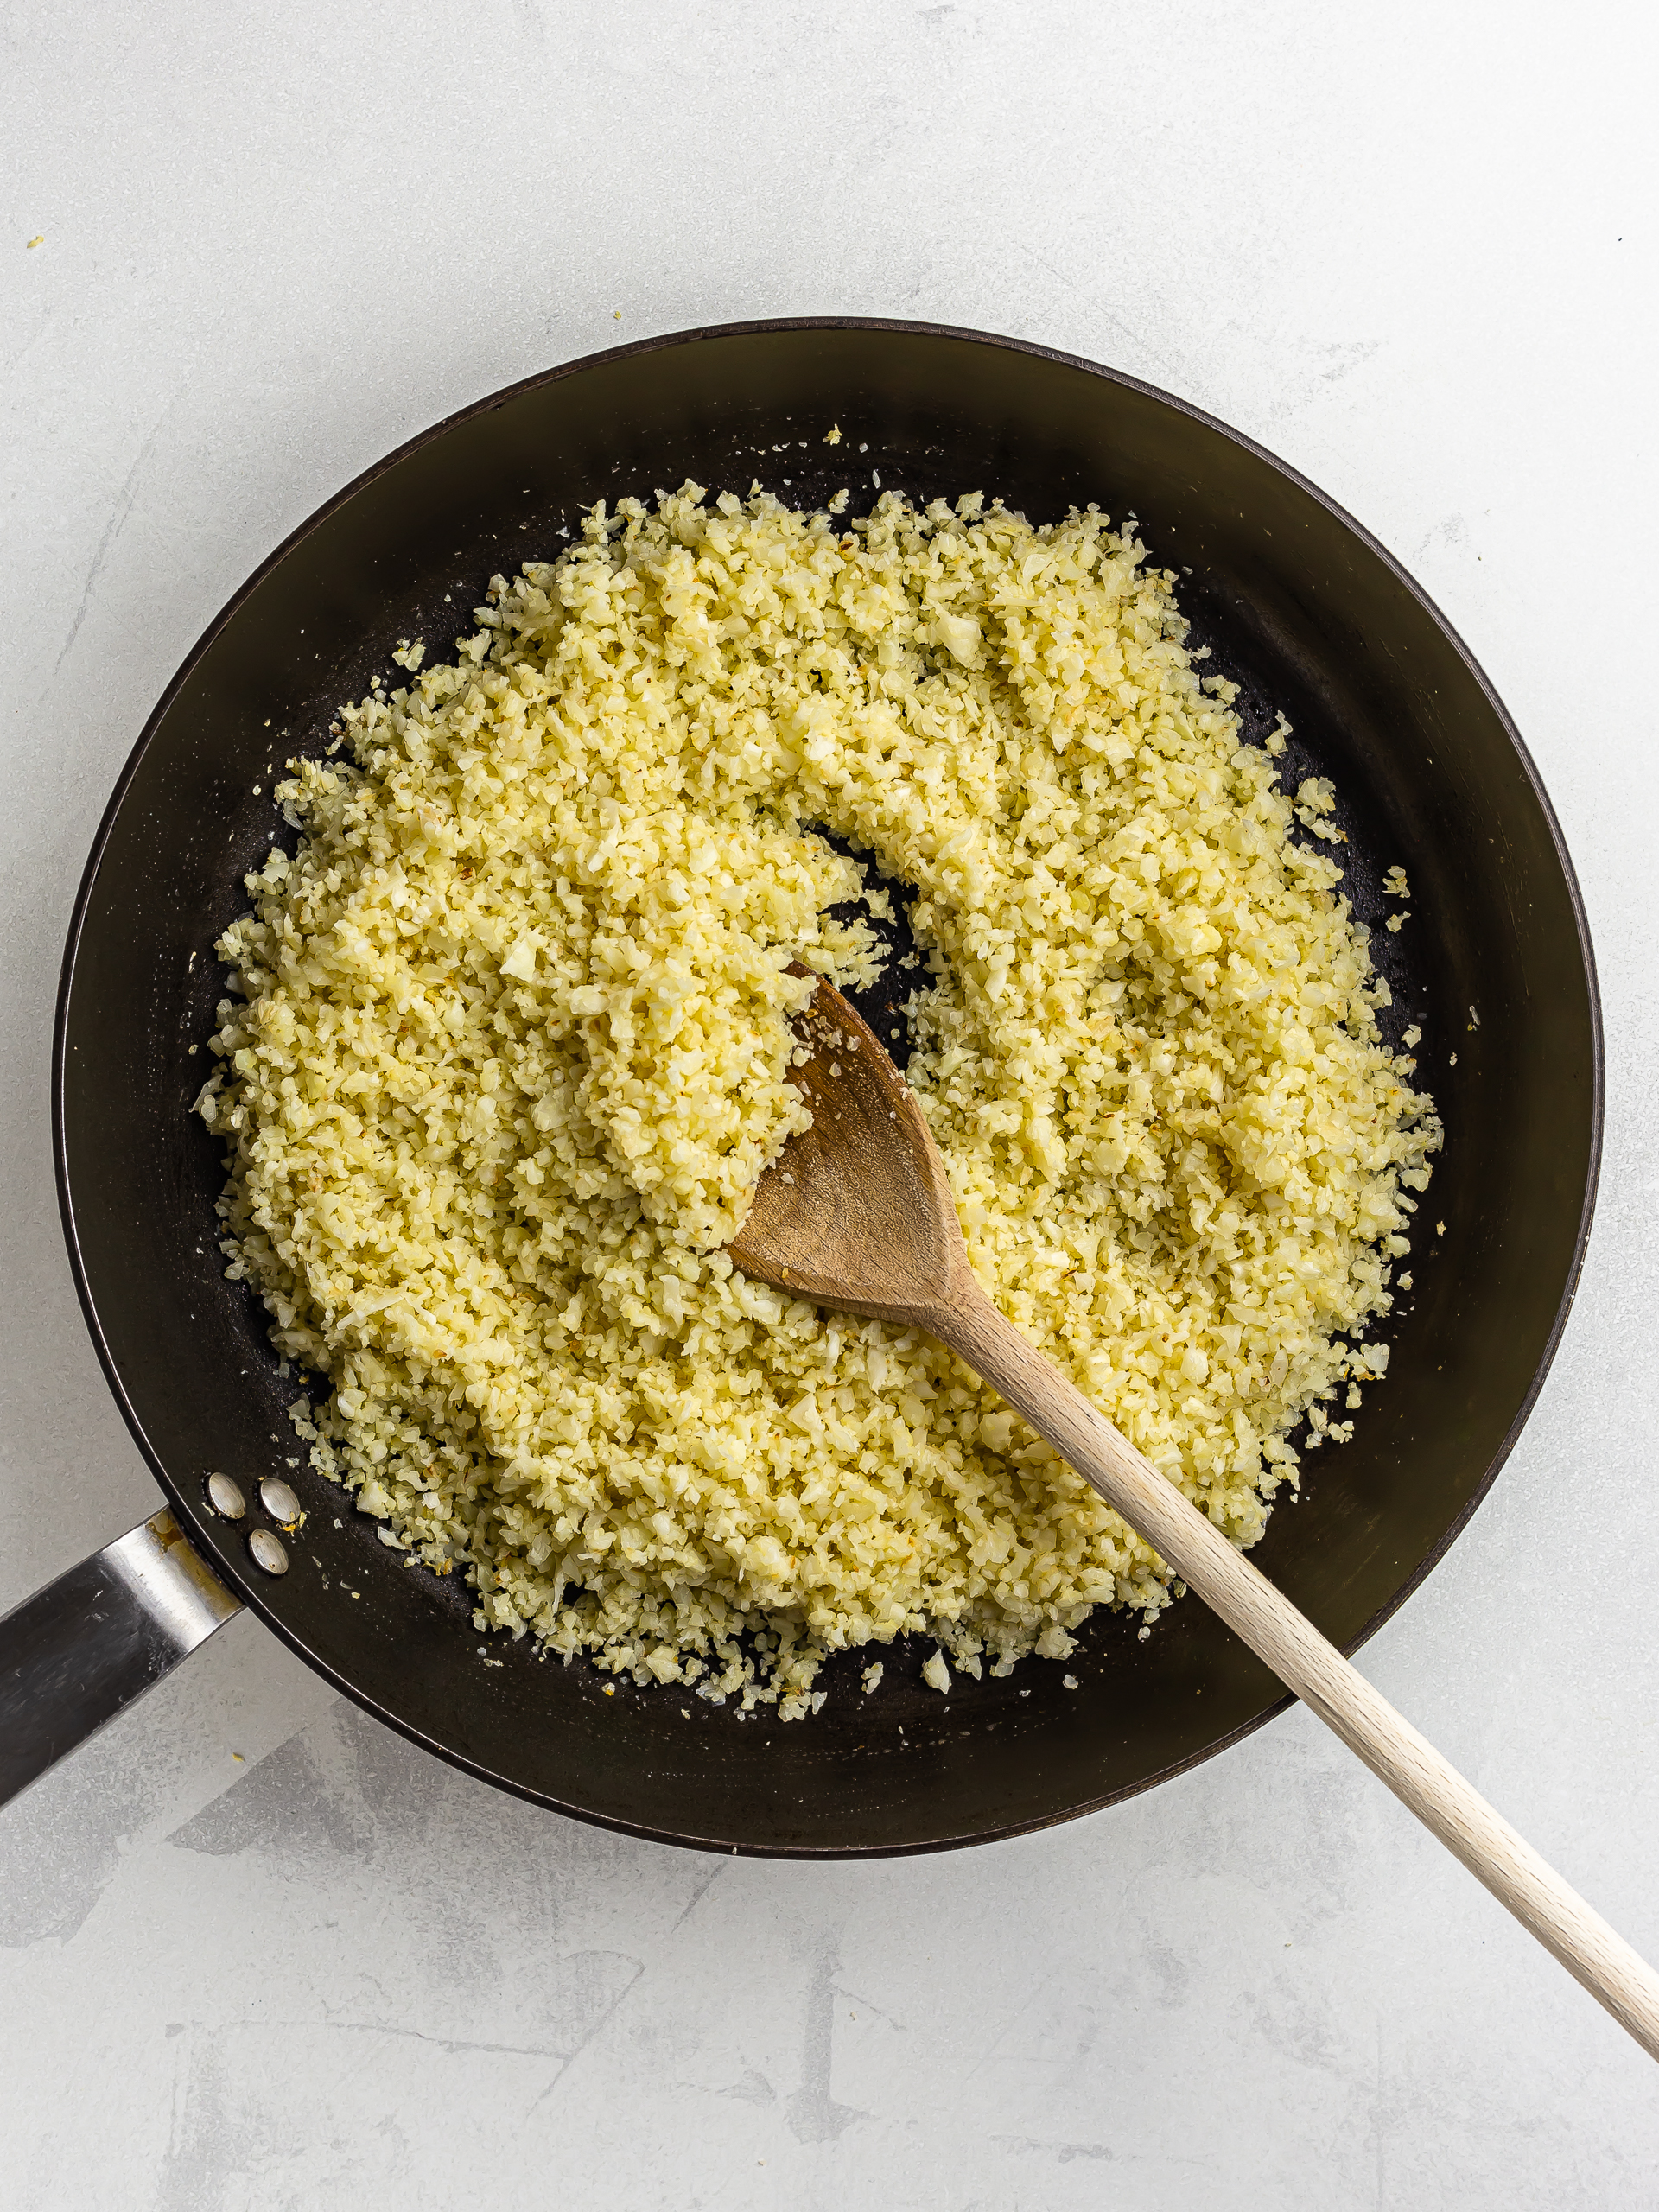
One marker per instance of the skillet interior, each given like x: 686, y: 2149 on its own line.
x: 1297, y: 604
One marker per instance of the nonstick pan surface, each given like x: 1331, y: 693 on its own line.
x: 1298, y: 606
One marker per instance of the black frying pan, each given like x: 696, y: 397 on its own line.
x: 1309, y: 614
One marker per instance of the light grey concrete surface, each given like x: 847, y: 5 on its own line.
x: 255, y: 1952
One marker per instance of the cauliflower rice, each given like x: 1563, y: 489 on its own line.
x: 510, y: 1044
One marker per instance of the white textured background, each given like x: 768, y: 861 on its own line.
x: 1412, y: 249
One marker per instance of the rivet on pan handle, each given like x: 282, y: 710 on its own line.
x: 77, y: 1652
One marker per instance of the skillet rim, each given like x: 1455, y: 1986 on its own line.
x: 242, y: 1583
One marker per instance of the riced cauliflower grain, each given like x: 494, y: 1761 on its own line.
x: 509, y: 1047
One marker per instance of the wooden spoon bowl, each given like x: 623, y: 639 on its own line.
x: 857, y: 1213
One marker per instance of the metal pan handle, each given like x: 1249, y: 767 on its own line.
x: 80, y: 1650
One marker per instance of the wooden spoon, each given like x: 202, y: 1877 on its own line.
x: 856, y: 1212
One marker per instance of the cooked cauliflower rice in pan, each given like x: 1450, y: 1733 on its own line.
x: 509, y: 1045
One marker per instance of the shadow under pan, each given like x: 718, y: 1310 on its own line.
x: 1298, y: 605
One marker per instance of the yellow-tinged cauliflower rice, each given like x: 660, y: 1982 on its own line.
x: 511, y: 1046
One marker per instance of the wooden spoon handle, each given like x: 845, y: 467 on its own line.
x: 1303, y: 1659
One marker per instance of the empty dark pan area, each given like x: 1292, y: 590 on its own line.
x: 1299, y: 604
